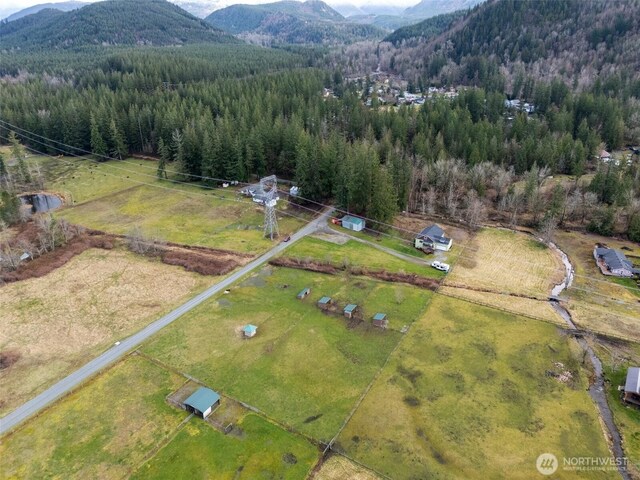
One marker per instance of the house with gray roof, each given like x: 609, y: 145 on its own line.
x: 632, y: 386
x: 433, y: 237
x: 614, y: 262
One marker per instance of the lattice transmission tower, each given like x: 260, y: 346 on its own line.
x: 269, y: 186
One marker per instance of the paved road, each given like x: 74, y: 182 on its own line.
x: 67, y: 384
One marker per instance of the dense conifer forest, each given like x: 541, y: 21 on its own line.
x: 237, y: 112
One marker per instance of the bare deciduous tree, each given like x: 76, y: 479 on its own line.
x: 143, y: 245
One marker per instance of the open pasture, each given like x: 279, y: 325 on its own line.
x: 54, y: 324
x: 304, y: 368
x: 476, y: 393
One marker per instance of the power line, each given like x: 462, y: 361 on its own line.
x: 404, y: 240
x: 203, y: 178
x: 184, y: 192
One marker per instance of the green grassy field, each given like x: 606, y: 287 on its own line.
x: 467, y: 395
x: 264, y: 450
x: 304, y: 368
x: 116, y: 196
x: 393, y: 239
x: 103, y: 430
x: 355, y: 253
x: 109, y: 430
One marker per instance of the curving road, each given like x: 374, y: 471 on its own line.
x: 68, y: 383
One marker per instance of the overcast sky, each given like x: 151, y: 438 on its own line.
x: 16, y: 5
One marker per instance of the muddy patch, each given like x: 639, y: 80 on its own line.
x: 9, y: 358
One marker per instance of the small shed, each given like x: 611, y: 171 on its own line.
x: 380, y: 320
x: 353, y: 223
x: 304, y: 293
x: 350, y: 309
x: 202, y: 402
x: 250, y: 331
x: 632, y: 386
x: 324, y: 302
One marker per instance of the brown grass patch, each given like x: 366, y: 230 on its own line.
x: 337, y: 467
x: 596, y: 302
x: 503, y: 261
x: 201, y: 262
x: 63, y: 319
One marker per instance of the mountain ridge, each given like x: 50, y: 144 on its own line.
x: 309, y: 22
x: 158, y: 22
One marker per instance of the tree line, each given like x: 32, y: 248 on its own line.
x: 371, y: 161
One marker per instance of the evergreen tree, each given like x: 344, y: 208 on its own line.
x: 177, y: 147
x: 9, y: 208
x: 383, y: 198
x: 118, y: 146
x: 3, y: 167
x: 19, y: 155
x: 98, y: 145
x: 165, y: 156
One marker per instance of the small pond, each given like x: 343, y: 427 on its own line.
x: 41, y: 202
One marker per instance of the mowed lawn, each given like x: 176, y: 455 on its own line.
x: 56, y: 323
x: 117, y: 196
x: 603, y: 303
x: 507, y: 270
x: 304, y: 368
x: 103, y: 430
x: 468, y: 395
x: 353, y: 253
x: 263, y: 450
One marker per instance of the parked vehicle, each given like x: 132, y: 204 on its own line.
x: 441, y: 266
x: 287, y: 238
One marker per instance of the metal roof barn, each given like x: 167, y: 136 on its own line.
x: 202, y: 401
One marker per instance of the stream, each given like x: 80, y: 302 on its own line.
x: 596, y: 389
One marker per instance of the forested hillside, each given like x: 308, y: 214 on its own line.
x: 431, y: 8
x: 310, y: 22
x: 455, y: 157
x: 425, y: 30
x: 112, y: 22
x: 579, y: 41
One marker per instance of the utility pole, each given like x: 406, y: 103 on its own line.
x: 269, y: 186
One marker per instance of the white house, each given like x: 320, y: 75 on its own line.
x: 433, y: 237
